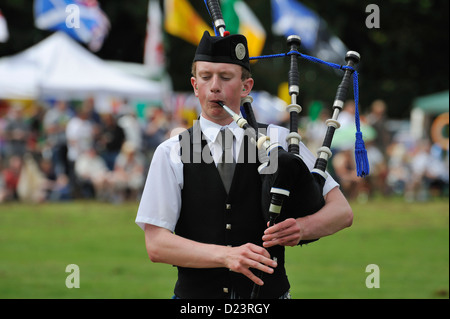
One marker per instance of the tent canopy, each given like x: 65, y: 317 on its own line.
x: 434, y: 103
x: 59, y: 67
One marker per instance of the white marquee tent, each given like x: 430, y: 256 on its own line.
x: 59, y: 67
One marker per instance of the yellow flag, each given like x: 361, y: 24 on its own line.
x: 250, y: 26
x: 181, y: 20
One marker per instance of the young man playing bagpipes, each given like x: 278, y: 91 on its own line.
x: 210, y: 227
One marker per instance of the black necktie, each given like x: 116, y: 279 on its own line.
x: 227, y: 163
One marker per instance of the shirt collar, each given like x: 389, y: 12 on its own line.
x: 211, y: 129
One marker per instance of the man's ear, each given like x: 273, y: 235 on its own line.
x: 247, y: 87
x: 194, y: 85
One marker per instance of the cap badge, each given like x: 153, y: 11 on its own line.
x: 240, y: 51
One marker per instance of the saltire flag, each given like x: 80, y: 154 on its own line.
x: 4, y: 34
x: 154, y: 48
x: 181, y: 20
x: 239, y: 18
x: 83, y: 20
x: 291, y: 17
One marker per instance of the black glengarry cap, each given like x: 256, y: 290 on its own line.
x: 229, y: 49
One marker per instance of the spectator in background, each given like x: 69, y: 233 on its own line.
x: 110, y: 140
x: 2, y: 188
x: 80, y: 138
x: 3, y: 123
x: 376, y: 180
x: 131, y: 126
x: 54, y: 123
x: 35, y: 130
x: 156, y: 129
x: 429, y: 173
x: 420, y: 159
x: 3, y: 192
x: 57, y: 184
x: 32, y: 184
x: 16, y: 133
x: 129, y: 175
x: 93, y: 115
x: 378, y: 147
x: 347, y: 116
x: 10, y: 178
x: 92, y: 174
x: 377, y: 119
x: 437, y: 173
x: 398, y: 168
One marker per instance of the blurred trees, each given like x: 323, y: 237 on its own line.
x: 395, y: 58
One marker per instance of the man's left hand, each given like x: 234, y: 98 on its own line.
x: 285, y: 233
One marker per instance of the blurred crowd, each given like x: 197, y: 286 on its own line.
x: 64, y: 152
x: 61, y: 153
x: 400, y: 165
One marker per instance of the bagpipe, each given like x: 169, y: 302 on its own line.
x: 289, y: 188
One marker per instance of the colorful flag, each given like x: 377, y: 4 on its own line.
x: 239, y: 18
x: 291, y: 17
x: 83, y: 20
x: 4, y: 34
x: 181, y: 20
x: 154, y: 48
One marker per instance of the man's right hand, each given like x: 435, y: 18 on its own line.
x: 240, y: 259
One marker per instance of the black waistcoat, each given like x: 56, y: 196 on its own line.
x: 210, y: 215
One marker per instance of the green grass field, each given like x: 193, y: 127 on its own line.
x: 408, y: 241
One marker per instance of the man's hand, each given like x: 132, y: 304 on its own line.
x: 285, y: 233
x: 240, y: 259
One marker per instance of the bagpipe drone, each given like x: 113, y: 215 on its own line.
x: 289, y: 188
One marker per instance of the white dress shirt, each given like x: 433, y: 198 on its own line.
x: 161, y: 198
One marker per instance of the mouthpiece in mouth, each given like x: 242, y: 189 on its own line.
x: 228, y: 110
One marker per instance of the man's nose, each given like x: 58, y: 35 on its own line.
x: 215, y: 84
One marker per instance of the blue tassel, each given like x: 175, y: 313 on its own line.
x: 362, y: 162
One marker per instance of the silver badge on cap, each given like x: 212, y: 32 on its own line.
x: 240, y: 51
